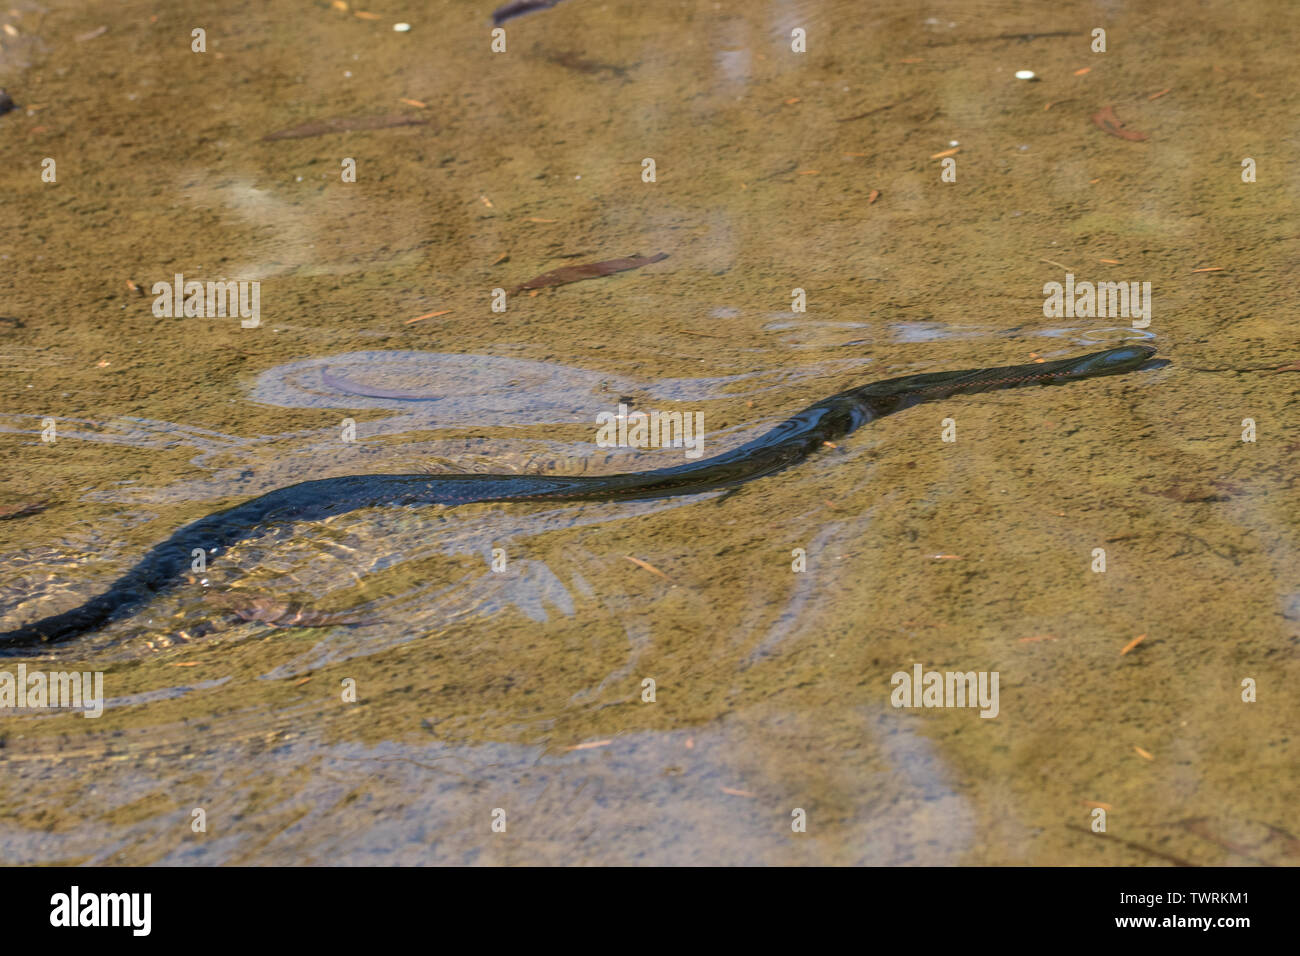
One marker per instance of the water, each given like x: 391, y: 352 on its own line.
x: 772, y: 688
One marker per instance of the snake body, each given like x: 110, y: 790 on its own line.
x: 788, y: 443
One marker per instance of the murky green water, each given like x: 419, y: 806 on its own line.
x: 523, y: 689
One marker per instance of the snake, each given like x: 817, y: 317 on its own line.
x: 785, y: 444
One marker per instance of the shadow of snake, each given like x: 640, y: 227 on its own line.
x: 786, y: 444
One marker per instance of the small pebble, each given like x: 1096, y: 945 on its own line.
x: 1025, y: 75
x: 402, y: 27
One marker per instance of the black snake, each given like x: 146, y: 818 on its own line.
x: 784, y: 445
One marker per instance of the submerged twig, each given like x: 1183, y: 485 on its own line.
x: 344, y: 124
x: 878, y: 109
x: 21, y: 509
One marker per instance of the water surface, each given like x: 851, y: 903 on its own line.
x: 474, y: 687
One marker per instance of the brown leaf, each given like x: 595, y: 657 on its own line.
x: 591, y: 270
x: 278, y: 613
x: 572, y: 61
x: 1110, y: 123
x: 1132, y: 644
x: 428, y: 315
x: 647, y: 565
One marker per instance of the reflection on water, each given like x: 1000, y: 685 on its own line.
x: 459, y: 389
x: 777, y: 171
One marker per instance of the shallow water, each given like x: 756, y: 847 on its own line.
x: 522, y: 689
